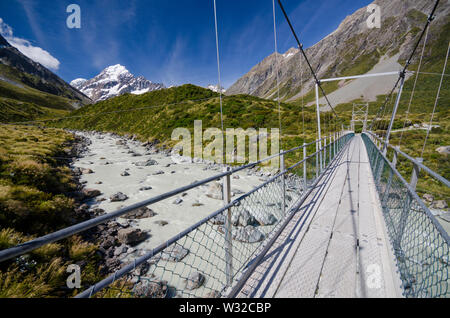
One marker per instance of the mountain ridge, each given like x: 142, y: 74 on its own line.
x: 351, y: 49
x: 20, y: 68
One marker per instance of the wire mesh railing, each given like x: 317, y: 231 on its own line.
x: 420, y: 244
x: 210, y: 257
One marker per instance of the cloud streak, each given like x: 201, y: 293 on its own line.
x: 35, y: 53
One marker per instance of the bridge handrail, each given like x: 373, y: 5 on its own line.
x: 414, y: 161
x: 83, y: 226
x: 419, y: 242
x: 416, y: 197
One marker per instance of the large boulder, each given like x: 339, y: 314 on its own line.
x: 131, y: 236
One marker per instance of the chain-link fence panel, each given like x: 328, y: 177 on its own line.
x: 420, y: 245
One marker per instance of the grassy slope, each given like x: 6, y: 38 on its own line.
x: 21, y: 102
x: 33, y: 203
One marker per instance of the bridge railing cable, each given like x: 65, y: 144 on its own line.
x: 300, y: 46
x: 196, y: 262
x: 419, y: 242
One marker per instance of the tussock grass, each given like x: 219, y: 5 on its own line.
x: 33, y: 202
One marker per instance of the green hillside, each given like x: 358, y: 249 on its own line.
x: 156, y: 114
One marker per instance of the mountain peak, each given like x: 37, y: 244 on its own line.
x: 113, y: 81
x: 115, y: 70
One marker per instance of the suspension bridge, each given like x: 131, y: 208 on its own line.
x: 340, y: 222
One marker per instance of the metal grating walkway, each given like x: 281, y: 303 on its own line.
x: 336, y: 245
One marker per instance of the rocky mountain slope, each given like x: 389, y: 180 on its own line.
x: 352, y: 48
x: 113, y: 81
x: 21, y: 71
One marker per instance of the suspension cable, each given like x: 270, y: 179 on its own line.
x: 306, y: 59
x: 436, y: 101
x: 303, y: 105
x: 414, y: 86
x: 276, y: 64
x: 218, y: 65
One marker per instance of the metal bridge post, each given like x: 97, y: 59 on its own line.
x: 391, y: 175
x: 317, y: 158
x: 394, y: 159
x: 324, y: 152
x: 415, y: 174
x: 330, y: 145
x: 319, y: 132
x: 334, y: 144
x: 283, y: 183
x: 305, y: 180
x: 394, y: 112
x: 228, y: 230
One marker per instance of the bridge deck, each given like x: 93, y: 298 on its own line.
x: 317, y: 254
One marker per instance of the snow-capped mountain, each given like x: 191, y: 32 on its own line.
x: 215, y: 88
x: 114, y: 81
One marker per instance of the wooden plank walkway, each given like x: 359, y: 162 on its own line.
x: 336, y: 244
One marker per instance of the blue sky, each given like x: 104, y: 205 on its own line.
x: 166, y: 41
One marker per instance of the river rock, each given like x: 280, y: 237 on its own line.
x: 145, y: 188
x: 120, y: 250
x: 142, y: 269
x: 263, y: 217
x: 148, y: 289
x: 212, y: 294
x: 215, y: 191
x: 161, y: 223
x: 444, y: 150
x: 428, y: 197
x: 131, y: 236
x: 174, y: 253
x: 248, y: 234
x: 147, y: 163
x: 440, y: 204
x: 87, y: 171
x: 218, y: 219
x: 140, y: 213
x: 194, y: 281
x: 177, y: 201
x: 91, y: 193
x: 119, y: 196
x: 242, y: 218
x: 125, y: 174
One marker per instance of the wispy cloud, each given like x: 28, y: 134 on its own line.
x: 35, y: 53
x: 174, y: 67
